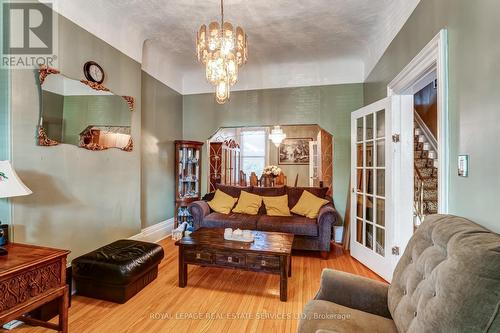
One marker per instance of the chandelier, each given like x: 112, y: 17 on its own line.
x: 223, y: 51
x: 277, y: 136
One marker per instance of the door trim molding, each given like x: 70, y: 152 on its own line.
x: 433, y: 57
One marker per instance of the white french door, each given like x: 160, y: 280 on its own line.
x: 372, y: 225
x: 314, y: 163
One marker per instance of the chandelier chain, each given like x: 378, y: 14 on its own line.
x: 222, y: 13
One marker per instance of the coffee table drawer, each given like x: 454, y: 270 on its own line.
x: 199, y: 257
x: 230, y: 259
x: 262, y: 262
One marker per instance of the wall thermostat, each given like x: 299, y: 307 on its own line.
x: 463, y: 165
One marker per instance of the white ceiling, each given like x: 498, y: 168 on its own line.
x: 299, y: 42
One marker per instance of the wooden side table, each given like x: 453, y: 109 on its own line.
x: 31, y: 276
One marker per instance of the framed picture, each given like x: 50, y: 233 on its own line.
x: 294, y: 151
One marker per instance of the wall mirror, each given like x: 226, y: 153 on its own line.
x: 82, y: 113
x: 304, y: 157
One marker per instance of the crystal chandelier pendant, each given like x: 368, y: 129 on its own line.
x: 222, y: 92
x: 277, y: 136
x: 223, y: 50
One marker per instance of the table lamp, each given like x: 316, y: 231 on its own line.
x: 10, y: 186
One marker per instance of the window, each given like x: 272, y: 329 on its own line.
x: 253, y: 151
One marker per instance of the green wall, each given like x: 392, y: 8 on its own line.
x: 4, y: 135
x: 474, y: 98
x: 4, y: 123
x: 161, y: 125
x: 328, y: 106
x: 81, y: 199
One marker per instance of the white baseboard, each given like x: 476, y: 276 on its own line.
x: 156, y: 233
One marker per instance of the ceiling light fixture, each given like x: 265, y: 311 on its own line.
x: 277, y: 136
x: 223, y: 51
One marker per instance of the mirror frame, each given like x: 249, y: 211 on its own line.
x: 44, y: 140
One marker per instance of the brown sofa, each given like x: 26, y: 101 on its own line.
x: 448, y: 280
x: 310, y: 234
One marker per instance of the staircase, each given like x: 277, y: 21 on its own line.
x: 426, y: 172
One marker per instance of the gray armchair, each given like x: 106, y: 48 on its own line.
x: 448, y: 280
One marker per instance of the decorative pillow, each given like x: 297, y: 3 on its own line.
x: 277, y: 206
x: 248, y: 203
x: 268, y: 192
x: 222, y: 202
x: 309, y: 205
x: 294, y: 193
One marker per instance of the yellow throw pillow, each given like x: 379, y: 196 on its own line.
x: 309, y: 205
x: 222, y: 202
x: 277, y: 206
x: 248, y: 203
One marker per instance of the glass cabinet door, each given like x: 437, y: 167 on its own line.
x: 188, y: 173
x: 188, y: 177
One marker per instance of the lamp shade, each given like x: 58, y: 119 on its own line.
x: 10, y: 184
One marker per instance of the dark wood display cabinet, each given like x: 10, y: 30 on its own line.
x: 187, y: 178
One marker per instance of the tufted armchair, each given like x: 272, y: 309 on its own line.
x: 448, y: 280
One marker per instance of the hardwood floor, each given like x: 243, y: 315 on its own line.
x: 215, y: 300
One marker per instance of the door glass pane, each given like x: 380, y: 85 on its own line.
x: 359, y: 205
x: 380, y: 245
x: 360, y: 155
x: 359, y: 173
x: 381, y: 124
x: 359, y: 129
x: 369, y: 181
x: 380, y: 182
x: 359, y: 231
x: 369, y: 127
x: 381, y: 212
x: 381, y: 153
x: 369, y: 154
x: 369, y: 235
x: 369, y: 218
x: 369, y: 208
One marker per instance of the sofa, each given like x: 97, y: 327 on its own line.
x: 310, y: 234
x: 448, y: 280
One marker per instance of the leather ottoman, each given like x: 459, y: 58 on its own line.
x: 117, y: 271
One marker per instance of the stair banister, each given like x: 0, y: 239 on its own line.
x: 427, y: 132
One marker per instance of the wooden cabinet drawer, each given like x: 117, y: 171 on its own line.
x: 230, y: 259
x: 19, y: 288
x: 199, y: 257
x: 262, y: 262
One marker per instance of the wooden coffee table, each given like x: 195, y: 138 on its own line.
x: 269, y: 253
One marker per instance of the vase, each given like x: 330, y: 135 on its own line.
x: 268, y: 180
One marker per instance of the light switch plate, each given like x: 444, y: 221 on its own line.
x: 463, y: 165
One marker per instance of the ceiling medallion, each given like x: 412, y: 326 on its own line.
x: 223, y: 51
